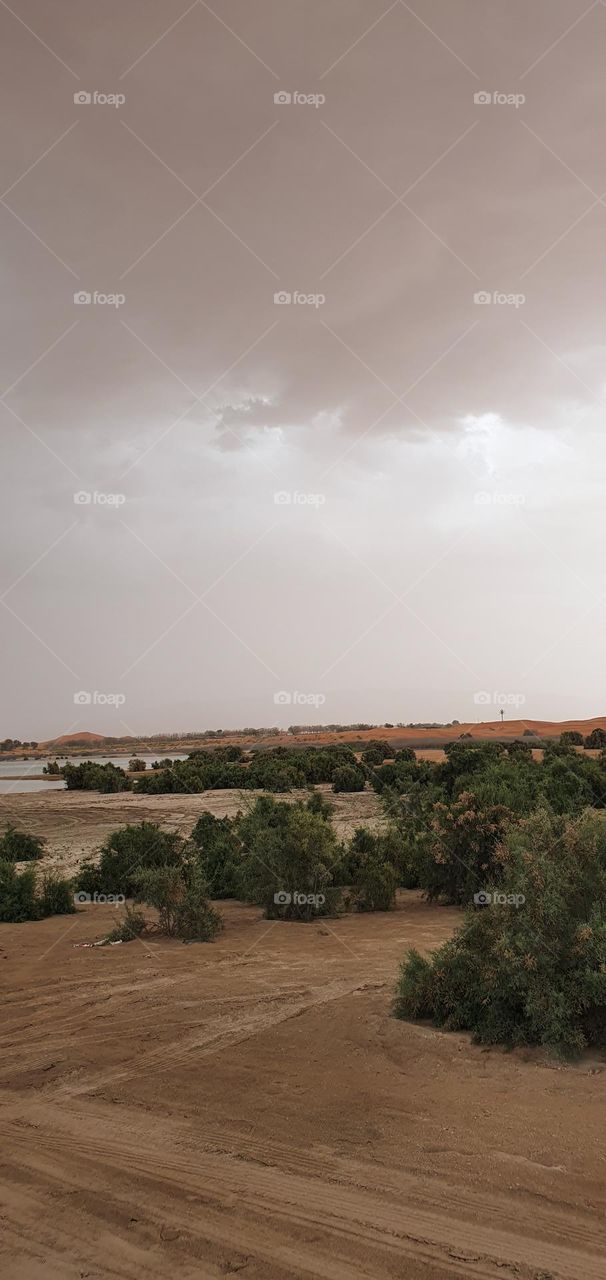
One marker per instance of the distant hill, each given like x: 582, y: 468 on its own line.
x: 76, y: 739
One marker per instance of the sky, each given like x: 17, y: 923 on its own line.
x: 302, y: 362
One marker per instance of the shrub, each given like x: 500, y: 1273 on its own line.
x: 463, y: 852
x: 19, y: 846
x: 20, y: 899
x: 370, y: 868
x: 219, y: 854
x: 375, y: 752
x: 532, y: 973
x: 289, y: 855
x: 17, y: 894
x: 180, y: 897
x: 56, y: 897
x: 571, y: 738
x: 347, y: 778
x: 596, y: 739
x: 52, y: 768
x: 125, y: 853
x: 136, y: 765
x: 132, y: 925
x: 90, y: 776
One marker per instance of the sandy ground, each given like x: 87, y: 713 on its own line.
x: 75, y: 823
x: 251, y: 1107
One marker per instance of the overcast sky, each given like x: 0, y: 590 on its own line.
x: 381, y: 493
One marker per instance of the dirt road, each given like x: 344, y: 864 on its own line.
x: 250, y: 1106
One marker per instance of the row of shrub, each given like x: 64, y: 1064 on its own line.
x: 283, y: 857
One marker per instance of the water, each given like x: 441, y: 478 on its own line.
x: 19, y: 769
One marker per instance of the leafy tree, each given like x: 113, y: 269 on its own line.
x: 596, y: 739
x: 136, y: 765
x: 571, y: 738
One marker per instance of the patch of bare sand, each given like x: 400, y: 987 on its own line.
x: 251, y: 1106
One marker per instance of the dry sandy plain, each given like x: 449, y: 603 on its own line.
x: 251, y: 1107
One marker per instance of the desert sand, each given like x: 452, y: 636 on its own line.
x: 250, y: 1106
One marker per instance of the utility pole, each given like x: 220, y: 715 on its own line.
x: 502, y: 715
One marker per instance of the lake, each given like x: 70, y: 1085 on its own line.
x: 19, y: 769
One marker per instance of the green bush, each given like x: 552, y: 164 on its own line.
x: 463, y: 854
x: 21, y: 900
x: 127, y: 851
x: 530, y: 967
x: 571, y: 738
x: 179, y: 895
x: 136, y: 765
x: 90, y: 776
x: 289, y: 855
x: 596, y: 739
x: 56, y: 897
x: 219, y: 854
x: 17, y: 894
x: 348, y: 778
x: 19, y: 846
